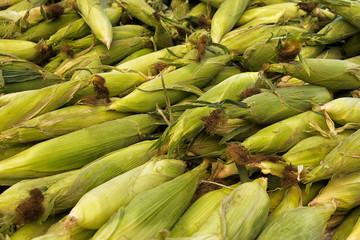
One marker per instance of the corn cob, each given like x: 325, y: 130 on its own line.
x: 281, y: 11
x: 79, y: 28
x: 299, y: 223
x: 343, y: 110
x: 140, y: 10
x: 352, y: 46
x: 330, y: 73
x: 240, y: 39
x: 291, y: 200
x: 199, y: 212
x: 341, y: 190
x: 15, y: 202
x: 118, y: 83
x: 150, y: 94
x: 251, y: 200
x: 58, y: 122
x: 286, y: 102
x: 45, y: 29
x: 118, y: 192
x: 20, y: 48
x: 94, y: 16
x: 32, y: 230
x: 57, y: 232
x: 100, y: 139
x: 190, y: 123
x: 226, y: 17
x: 143, y: 219
x: 346, y: 8
x: 213, y: 3
x: 345, y: 228
x: 147, y: 63
x: 162, y: 35
x: 312, y: 150
x: 37, y: 102
x: 335, y: 31
x: 342, y: 159
x: 67, y: 192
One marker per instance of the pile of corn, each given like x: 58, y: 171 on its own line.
x: 180, y: 119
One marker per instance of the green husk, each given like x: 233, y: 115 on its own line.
x: 180, y: 8
x: 213, y: 3
x: 352, y: 46
x: 36, y: 102
x: 342, y: 159
x: 75, y: 149
x: 119, y: 50
x: 58, y: 232
x: 299, y: 223
x: 144, y: 216
x: 86, y: 68
x: 227, y: 72
x: 66, y: 193
x: 45, y: 29
x: 150, y: 94
x: 335, y: 31
x: 241, y: 214
x: 345, y: 228
x: 137, y: 54
x: 9, y: 150
x: 119, y: 33
x: 17, y: 193
x: 291, y: 200
x: 312, y: 150
x: 190, y: 124
x: 343, y: 110
x: 309, y: 192
x: 276, y: 197
x: 58, y: 122
x: 118, y: 83
x: 79, y: 28
x: 331, y: 53
x: 147, y: 63
x: 20, y: 48
x: 198, y: 213
x: 283, y: 102
x: 140, y: 10
x: 226, y: 17
x: 23, y: 80
x: 281, y: 11
x: 348, y: 9
x: 32, y: 230
x: 343, y: 190
x: 330, y: 73
x: 240, y: 39
x: 95, y: 17
x: 283, y: 135
x: 264, y: 51
x: 118, y: 192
